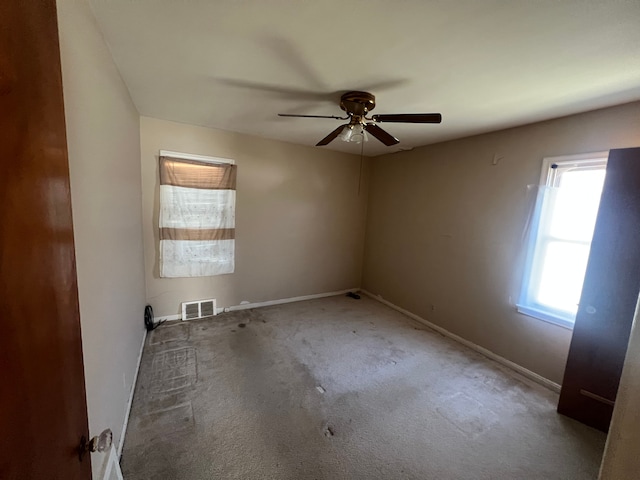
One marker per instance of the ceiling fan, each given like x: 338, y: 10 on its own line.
x: 357, y: 105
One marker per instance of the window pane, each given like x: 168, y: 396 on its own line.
x: 562, y: 273
x: 576, y: 204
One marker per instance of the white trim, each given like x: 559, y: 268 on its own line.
x: 169, y: 318
x: 191, y: 156
x: 552, y: 170
x: 579, y: 159
x: 112, y: 465
x: 246, y: 306
x: 545, y: 382
x: 545, y: 316
x: 130, y: 402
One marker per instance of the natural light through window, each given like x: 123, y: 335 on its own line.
x: 560, y: 237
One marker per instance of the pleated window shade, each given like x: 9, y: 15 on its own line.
x: 197, y: 217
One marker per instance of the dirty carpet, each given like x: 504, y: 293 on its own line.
x: 339, y: 388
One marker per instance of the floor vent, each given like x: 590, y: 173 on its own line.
x: 198, y: 309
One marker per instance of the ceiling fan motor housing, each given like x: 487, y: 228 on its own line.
x: 357, y: 103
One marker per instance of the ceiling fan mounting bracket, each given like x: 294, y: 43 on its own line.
x: 357, y: 103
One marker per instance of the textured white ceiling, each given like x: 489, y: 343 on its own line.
x: 484, y: 64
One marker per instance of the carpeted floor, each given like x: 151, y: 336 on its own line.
x: 339, y: 388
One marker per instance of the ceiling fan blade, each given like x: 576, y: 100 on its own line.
x: 381, y: 134
x: 311, y: 116
x: 409, y: 118
x: 291, y: 56
x: 291, y: 93
x: 383, y: 85
x: 331, y: 137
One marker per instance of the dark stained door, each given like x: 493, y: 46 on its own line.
x: 42, y: 394
x: 609, y: 296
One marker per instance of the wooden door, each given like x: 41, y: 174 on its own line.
x: 609, y: 296
x: 42, y: 402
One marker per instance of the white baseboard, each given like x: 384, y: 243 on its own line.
x: 246, y: 306
x: 130, y: 402
x: 481, y: 350
x: 111, y: 466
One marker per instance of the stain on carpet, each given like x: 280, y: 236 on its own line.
x: 178, y: 332
x: 296, y: 395
x: 172, y: 420
x: 467, y: 414
x: 173, y: 370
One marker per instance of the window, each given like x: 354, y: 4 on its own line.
x: 560, y: 236
x: 197, y: 215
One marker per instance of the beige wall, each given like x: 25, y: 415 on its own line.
x: 444, y: 232
x: 104, y: 158
x: 299, y: 218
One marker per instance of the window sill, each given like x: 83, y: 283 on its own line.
x: 546, y: 316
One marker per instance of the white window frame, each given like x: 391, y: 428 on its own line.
x: 200, y: 158
x: 548, y: 177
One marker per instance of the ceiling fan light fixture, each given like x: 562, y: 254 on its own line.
x: 356, y: 134
x: 346, y: 133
